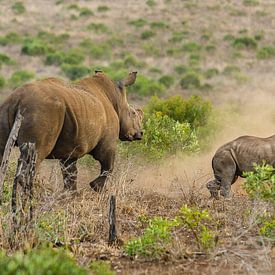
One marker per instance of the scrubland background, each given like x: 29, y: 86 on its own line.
x: 221, y: 51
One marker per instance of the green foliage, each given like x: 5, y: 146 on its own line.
x: 179, y: 36
x: 10, y: 39
x: 267, y: 226
x: 2, y: 81
x: 194, y: 110
x: 191, y: 80
x: 101, y: 268
x: 158, y: 25
x: 147, y: 34
x: 151, y: 3
x: 85, y: 12
x: 40, y: 261
x: 154, y: 240
x: 18, y: 8
x: 35, y: 46
x: 266, y: 52
x: 98, y: 27
x: 209, y: 73
x: 260, y: 183
x: 20, y: 77
x: 50, y: 226
x: 245, y: 43
x: 167, y: 80
x: 74, y: 72
x: 191, y: 47
x: 251, y: 2
x: 194, y: 219
x: 54, y: 58
x: 138, y: 23
x: 102, y: 8
x: 4, y: 59
x: 96, y: 50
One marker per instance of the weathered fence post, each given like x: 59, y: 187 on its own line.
x: 24, y: 175
x: 112, y: 221
x: 9, y: 145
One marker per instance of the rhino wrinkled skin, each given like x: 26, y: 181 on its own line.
x: 67, y: 121
x: 236, y: 157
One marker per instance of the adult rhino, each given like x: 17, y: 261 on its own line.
x: 66, y: 121
x: 236, y: 157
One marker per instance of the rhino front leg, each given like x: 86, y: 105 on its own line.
x: 106, y: 159
x: 69, y: 172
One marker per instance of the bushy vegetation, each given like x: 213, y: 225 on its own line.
x: 18, y: 7
x: 157, y: 236
x: 39, y: 261
x: 2, y: 81
x: 245, y: 43
x: 101, y: 268
x: 266, y: 52
x: 260, y: 183
x: 20, y: 77
x: 74, y: 72
x: 10, y: 39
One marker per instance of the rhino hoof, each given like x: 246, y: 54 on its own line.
x: 97, y: 185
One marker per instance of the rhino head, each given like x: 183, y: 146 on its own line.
x: 130, y: 118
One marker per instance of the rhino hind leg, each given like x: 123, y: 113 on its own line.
x: 69, y: 172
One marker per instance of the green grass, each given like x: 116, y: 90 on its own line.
x: 147, y: 34
x: 20, y: 77
x: 138, y: 23
x: 18, y: 8
x: 4, y: 59
x: 266, y: 52
x: 101, y: 268
x: 151, y: 3
x: 102, y: 8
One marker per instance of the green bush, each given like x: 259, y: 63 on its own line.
x: 158, y: 25
x: 40, y: 261
x: 209, y: 73
x: 74, y: 72
x: 194, y: 110
x: 147, y: 34
x: 85, y: 12
x: 4, y: 59
x: 190, y: 80
x: 260, y: 183
x: 20, y: 77
x: 102, y: 50
x: 179, y: 36
x: 245, y: 43
x: 10, y: 39
x: 102, y: 8
x: 251, y: 2
x: 2, y: 81
x: 35, y: 46
x: 18, y: 7
x: 266, y: 52
x: 101, y: 268
x: 98, y: 27
x: 167, y: 80
x: 151, y: 3
x: 191, y: 47
x: 138, y: 23
x: 54, y: 58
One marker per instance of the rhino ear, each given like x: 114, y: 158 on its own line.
x: 130, y: 79
x: 98, y: 72
x: 140, y: 112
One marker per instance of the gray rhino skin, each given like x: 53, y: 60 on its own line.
x: 236, y: 157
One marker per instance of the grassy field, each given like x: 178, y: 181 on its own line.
x: 222, y: 51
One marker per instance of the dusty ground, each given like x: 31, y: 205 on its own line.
x: 246, y: 102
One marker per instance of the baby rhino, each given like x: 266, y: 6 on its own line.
x: 236, y: 157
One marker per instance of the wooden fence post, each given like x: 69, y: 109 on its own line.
x: 9, y: 145
x: 112, y: 221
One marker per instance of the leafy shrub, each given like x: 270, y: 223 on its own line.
x: 39, y: 261
x: 260, y: 183
x: 101, y: 268
x: 244, y: 43
x: 74, y: 72
x: 209, y: 73
x: 151, y: 3
x: 194, y: 110
x: 154, y: 240
x: 191, y: 81
x: 266, y: 52
x: 191, y: 47
x: 96, y: 50
x: 4, y: 59
x: 138, y: 23
x: 10, y: 39
x: 194, y: 219
x: 18, y: 7
x: 20, y: 77
x: 35, y: 46
x: 130, y: 60
x: 85, y: 12
x: 167, y: 80
x: 102, y: 8
x: 54, y: 58
x: 98, y: 27
x: 250, y: 2
x: 147, y: 34
x: 2, y: 81
x: 179, y: 36
x: 158, y: 25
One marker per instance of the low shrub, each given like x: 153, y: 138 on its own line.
x: 20, y: 77
x: 191, y: 80
x: 35, y: 46
x: 191, y: 47
x: 101, y: 268
x: 245, y: 43
x: 98, y: 27
x: 40, y: 261
x: 147, y: 34
x: 211, y: 72
x: 167, y: 80
x: 251, y: 2
x: 4, y: 59
x: 18, y: 8
x: 10, y: 38
x: 85, y: 12
x: 260, y: 183
x: 102, y: 8
x: 266, y: 52
x: 138, y: 23
x: 74, y: 72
